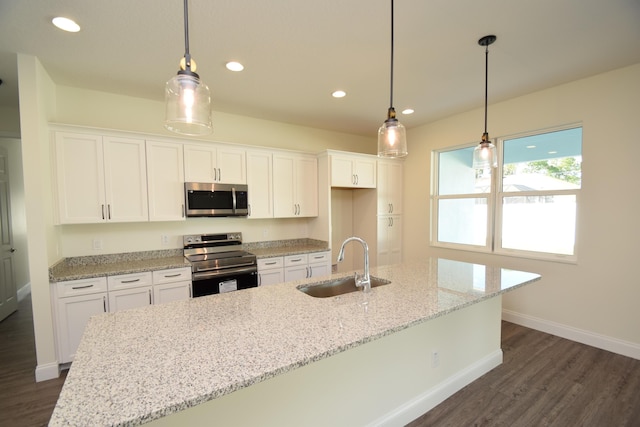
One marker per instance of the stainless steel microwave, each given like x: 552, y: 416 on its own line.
x: 207, y: 199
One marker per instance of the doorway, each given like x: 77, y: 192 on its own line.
x: 8, y: 289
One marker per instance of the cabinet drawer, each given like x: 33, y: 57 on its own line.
x: 81, y: 287
x: 127, y: 281
x: 267, y: 263
x: 319, y: 257
x: 292, y: 260
x: 171, y: 275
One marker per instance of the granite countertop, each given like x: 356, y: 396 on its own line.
x: 87, y: 267
x: 285, y: 247
x: 125, y: 373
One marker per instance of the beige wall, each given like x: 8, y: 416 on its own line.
x: 596, y: 298
x: 9, y: 122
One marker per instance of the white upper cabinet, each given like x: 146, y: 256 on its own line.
x: 215, y: 164
x: 295, y: 185
x: 353, y: 171
x: 100, y: 178
x: 165, y: 176
x: 260, y: 183
x: 389, y: 187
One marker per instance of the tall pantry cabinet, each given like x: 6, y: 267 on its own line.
x: 390, y: 188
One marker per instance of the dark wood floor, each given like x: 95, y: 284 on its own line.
x: 544, y: 381
x: 23, y: 402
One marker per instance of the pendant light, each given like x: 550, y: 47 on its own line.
x: 392, y: 137
x: 485, y: 155
x: 187, y: 98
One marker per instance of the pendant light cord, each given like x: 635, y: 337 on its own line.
x: 391, y: 74
x: 486, y: 85
x: 187, y: 56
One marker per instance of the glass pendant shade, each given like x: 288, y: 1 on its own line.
x: 485, y: 156
x: 188, y: 104
x: 392, y: 139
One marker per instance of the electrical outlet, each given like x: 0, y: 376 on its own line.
x: 164, y: 239
x: 97, y: 244
x: 265, y: 232
x: 435, y: 358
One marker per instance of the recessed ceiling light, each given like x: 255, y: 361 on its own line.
x: 531, y: 146
x: 408, y: 111
x: 553, y: 152
x: 66, y: 24
x: 235, y: 66
x: 339, y: 94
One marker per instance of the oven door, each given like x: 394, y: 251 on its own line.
x: 227, y: 280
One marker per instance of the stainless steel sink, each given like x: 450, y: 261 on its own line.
x: 332, y: 288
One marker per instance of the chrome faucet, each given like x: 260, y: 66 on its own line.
x: 362, y: 281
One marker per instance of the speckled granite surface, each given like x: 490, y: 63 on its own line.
x: 138, y: 365
x: 285, y: 247
x: 86, y: 267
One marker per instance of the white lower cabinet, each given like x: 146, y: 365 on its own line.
x: 315, y: 264
x: 296, y: 267
x: 270, y: 271
x: 293, y: 267
x: 173, y: 284
x: 129, y: 291
x: 75, y: 302
x: 319, y: 264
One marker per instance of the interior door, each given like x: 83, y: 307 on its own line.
x: 8, y: 291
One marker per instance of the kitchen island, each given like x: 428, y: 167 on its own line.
x: 276, y: 356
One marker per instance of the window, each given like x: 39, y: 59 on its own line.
x: 526, y: 207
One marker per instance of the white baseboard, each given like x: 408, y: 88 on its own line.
x: 47, y: 371
x: 431, y: 398
x: 625, y: 348
x: 24, y: 291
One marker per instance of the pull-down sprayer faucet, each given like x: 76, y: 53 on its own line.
x: 363, y: 281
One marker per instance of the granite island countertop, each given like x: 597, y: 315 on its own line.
x: 138, y: 365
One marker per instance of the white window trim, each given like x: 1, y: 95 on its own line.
x: 494, y: 204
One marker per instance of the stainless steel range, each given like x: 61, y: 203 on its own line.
x: 218, y: 263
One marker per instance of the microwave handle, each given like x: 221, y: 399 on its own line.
x: 233, y: 197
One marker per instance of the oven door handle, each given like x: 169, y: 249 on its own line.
x: 223, y: 273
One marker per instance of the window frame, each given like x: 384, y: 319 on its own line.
x: 495, y: 204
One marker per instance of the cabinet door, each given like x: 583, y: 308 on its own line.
x: 319, y: 264
x: 284, y: 201
x: 296, y: 267
x: 365, y: 171
x: 270, y: 277
x: 200, y: 163
x: 79, y: 170
x: 296, y: 273
x: 165, y: 179
x: 306, y: 186
x: 342, y: 174
x: 168, y: 292
x: 259, y: 180
x: 232, y: 165
x: 72, y: 314
x: 389, y: 239
x: 130, y: 298
x: 390, y: 187
x: 125, y: 179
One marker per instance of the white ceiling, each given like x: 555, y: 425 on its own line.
x: 296, y: 52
